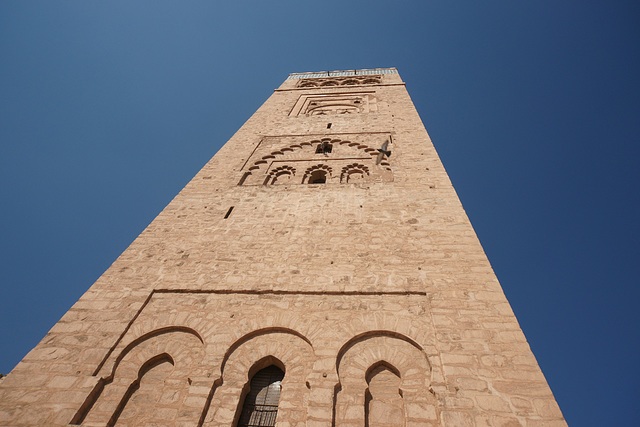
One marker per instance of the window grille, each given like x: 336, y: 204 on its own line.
x: 260, y: 407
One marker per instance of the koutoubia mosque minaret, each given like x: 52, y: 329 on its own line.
x: 318, y: 271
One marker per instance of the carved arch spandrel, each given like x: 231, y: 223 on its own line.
x: 361, y: 355
x: 290, y: 351
x: 354, y: 172
x: 180, y: 351
x: 262, y: 168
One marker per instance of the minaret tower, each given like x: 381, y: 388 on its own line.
x: 318, y: 271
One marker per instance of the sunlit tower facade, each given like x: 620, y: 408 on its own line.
x: 318, y: 271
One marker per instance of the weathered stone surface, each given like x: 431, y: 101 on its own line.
x: 370, y: 290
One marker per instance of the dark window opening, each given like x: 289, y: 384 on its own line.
x: 260, y: 406
x: 324, y: 148
x: 228, y: 212
x: 318, y: 177
x: 329, y: 126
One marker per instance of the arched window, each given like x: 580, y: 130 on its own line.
x: 260, y: 406
x: 318, y: 176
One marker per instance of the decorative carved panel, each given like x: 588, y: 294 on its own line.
x: 331, y: 159
x: 335, y: 104
x: 341, y: 81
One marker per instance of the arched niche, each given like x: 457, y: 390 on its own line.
x: 383, y: 371
x: 354, y: 173
x: 384, y: 403
x: 281, y: 175
x: 149, y: 381
x: 137, y: 403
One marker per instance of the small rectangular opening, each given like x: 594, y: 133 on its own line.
x: 228, y: 212
x: 323, y: 148
x: 329, y: 126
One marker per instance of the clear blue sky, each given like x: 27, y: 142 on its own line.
x: 107, y: 109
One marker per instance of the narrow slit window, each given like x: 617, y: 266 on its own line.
x: 228, y: 212
x: 329, y: 126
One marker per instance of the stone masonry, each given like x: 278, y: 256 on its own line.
x: 299, y: 246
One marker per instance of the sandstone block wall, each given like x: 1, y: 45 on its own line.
x: 370, y: 290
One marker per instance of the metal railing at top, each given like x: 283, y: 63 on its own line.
x: 344, y: 73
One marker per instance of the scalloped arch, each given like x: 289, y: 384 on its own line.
x: 293, y: 147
